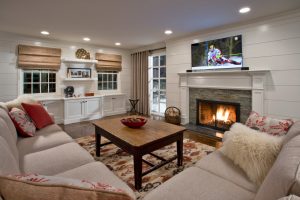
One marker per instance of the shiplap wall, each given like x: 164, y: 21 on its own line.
x: 9, y: 74
x: 272, y: 43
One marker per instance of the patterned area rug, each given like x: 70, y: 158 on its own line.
x: 121, y: 163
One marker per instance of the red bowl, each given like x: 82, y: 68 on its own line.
x: 134, y: 122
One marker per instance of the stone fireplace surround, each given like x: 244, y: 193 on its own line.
x: 234, y: 84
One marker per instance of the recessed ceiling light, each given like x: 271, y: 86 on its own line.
x: 168, y: 32
x: 244, y: 10
x: 118, y: 44
x: 86, y: 39
x: 45, y: 33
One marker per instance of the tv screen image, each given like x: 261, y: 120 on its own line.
x: 218, y: 53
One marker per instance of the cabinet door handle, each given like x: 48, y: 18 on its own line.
x: 113, y: 98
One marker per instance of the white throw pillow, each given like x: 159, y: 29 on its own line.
x: 253, y: 151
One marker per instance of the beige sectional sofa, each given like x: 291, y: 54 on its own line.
x: 50, y: 152
x: 215, y: 177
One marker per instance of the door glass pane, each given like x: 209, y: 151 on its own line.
x: 52, y: 87
x: 155, y: 102
x: 44, y: 77
x: 155, y: 61
x: 163, y: 84
x: 155, y: 72
x: 162, y: 107
x: 27, y: 77
x: 163, y: 97
x: 162, y: 60
x: 27, y: 88
x: 36, y: 77
x: 36, y: 88
x: 44, y: 88
x: 155, y: 85
x: 163, y: 72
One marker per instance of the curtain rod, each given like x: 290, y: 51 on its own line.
x: 157, y: 49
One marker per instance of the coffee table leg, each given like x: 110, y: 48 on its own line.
x: 98, y: 140
x: 180, y: 150
x: 137, y: 171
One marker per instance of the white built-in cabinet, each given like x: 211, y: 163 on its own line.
x: 114, y: 104
x: 72, y: 110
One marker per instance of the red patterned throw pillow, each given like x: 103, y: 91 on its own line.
x: 22, y: 122
x: 38, y: 114
x: 36, y: 187
x: 277, y: 127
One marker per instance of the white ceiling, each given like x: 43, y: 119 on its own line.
x: 134, y: 23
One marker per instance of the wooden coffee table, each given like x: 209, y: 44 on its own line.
x: 138, y: 142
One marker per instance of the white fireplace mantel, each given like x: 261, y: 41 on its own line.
x: 228, y: 79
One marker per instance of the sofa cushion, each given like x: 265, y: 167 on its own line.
x: 55, y: 160
x: 36, y: 187
x: 278, y: 127
x: 195, y: 183
x: 283, y: 178
x: 253, y: 151
x: 218, y: 164
x: 38, y: 114
x: 10, y: 139
x: 12, y: 129
x: 48, y: 129
x: 97, y: 171
x: 42, y: 142
x: 294, y: 131
x: 22, y: 122
x: 8, y: 163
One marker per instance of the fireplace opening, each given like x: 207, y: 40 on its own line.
x: 217, y: 114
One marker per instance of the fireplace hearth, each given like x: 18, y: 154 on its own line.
x: 219, y: 115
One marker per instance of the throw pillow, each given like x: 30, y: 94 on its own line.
x: 36, y: 187
x: 16, y: 103
x: 253, y: 151
x: 22, y: 122
x: 270, y: 125
x: 38, y: 114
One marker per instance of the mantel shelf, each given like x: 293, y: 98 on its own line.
x: 79, y: 61
x: 216, y: 72
x: 80, y: 79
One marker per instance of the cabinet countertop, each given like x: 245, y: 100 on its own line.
x: 58, y: 98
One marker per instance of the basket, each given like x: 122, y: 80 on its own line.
x: 173, y: 115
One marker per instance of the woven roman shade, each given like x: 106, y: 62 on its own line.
x: 108, y: 62
x: 34, y: 57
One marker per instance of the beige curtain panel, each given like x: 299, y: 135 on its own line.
x: 140, y: 81
x: 34, y: 57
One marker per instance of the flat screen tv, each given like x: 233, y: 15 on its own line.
x: 218, y: 54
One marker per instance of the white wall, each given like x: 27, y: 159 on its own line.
x: 9, y: 73
x: 273, y: 43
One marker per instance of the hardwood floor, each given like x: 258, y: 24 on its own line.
x: 81, y: 129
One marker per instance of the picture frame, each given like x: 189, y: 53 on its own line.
x: 79, y: 72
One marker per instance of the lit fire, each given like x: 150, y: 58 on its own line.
x: 222, y: 114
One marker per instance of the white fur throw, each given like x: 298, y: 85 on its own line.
x: 253, y: 151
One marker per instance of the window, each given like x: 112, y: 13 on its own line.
x: 158, y: 83
x: 108, y: 80
x: 39, y: 81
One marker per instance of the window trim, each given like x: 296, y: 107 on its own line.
x: 118, y: 82
x: 21, y: 83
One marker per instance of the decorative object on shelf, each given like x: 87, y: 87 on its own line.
x: 69, y: 91
x: 79, y: 73
x: 35, y: 57
x: 173, y: 115
x: 134, y: 122
x: 108, y: 62
x: 82, y: 54
x: 89, y: 94
x: 133, y: 103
